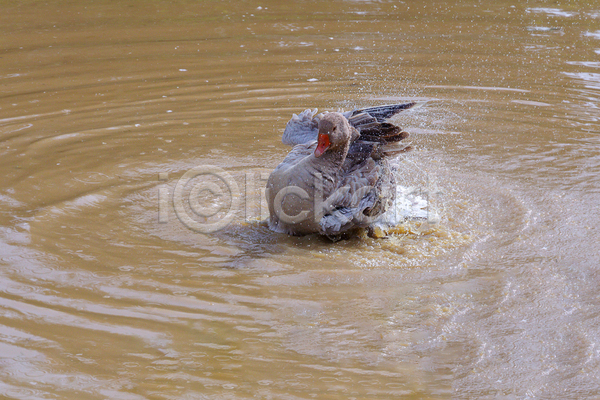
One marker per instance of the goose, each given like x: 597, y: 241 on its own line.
x: 337, y: 179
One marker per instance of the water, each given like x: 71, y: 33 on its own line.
x: 105, y: 293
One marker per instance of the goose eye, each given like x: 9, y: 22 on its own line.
x: 334, y: 128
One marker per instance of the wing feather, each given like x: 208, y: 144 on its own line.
x: 302, y: 128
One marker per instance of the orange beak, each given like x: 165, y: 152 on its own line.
x: 322, y: 144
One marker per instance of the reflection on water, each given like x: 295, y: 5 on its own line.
x: 106, y: 293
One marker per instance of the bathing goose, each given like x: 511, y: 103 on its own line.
x: 337, y: 178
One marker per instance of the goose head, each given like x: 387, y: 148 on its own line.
x: 334, y: 134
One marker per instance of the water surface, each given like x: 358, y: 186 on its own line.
x: 105, y: 293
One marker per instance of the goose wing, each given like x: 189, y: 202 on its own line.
x: 302, y: 128
x: 362, y: 196
x: 381, y: 113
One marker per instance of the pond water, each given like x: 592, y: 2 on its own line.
x: 108, y: 291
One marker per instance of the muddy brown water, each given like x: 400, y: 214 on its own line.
x: 106, y: 294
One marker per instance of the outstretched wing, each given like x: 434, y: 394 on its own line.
x: 302, y: 128
x: 381, y: 113
x: 371, y: 121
